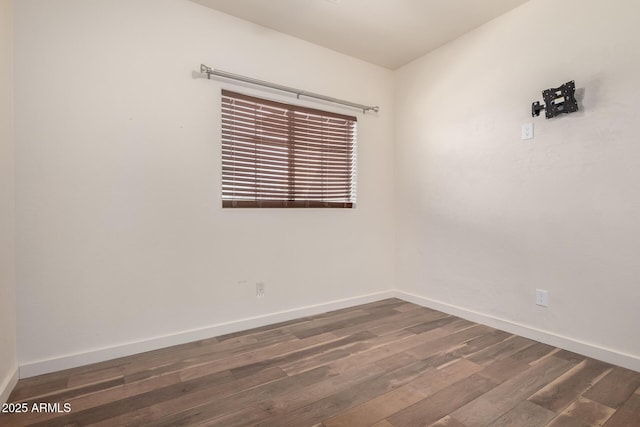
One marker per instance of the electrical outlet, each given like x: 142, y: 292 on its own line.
x: 542, y: 298
x: 527, y: 131
x: 259, y: 289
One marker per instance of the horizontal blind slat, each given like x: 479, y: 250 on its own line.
x: 228, y: 172
x: 258, y: 133
x: 285, y: 204
x: 232, y: 140
x: 240, y: 118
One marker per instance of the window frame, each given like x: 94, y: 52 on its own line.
x: 319, y: 167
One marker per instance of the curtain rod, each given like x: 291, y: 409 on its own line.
x: 212, y: 72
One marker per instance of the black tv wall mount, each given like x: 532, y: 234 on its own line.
x: 558, y: 100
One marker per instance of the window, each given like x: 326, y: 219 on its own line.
x: 277, y: 155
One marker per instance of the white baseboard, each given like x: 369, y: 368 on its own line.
x: 587, y: 349
x: 39, y: 367
x: 7, y: 385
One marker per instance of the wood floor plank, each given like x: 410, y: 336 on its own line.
x: 483, y: 342
x: 249, y: 416
x: 401, y: 346
x: 350, y: 397
x: 437, y: 322
x: 129, y: 406
x: 379, y: 408
x: 615, y: 388
x: 369, y: 315
x: 395, y: 322
x: 303, y: 363
x: 194, y: 368
x: 346, y: 397
x: 570, y: 356
x: 524, y: 414
x: 447, y: 421
x: 214, y: 407
x: 454, y: 372
x: 351, y: 371
x: 197, y: 357
x: 566, y: 421
x: 206, y: 348
x: 408, y: 306
x: 448, y: 342
x: 558, y: 394
x: 504, y: 369
x: 280, y: 327
x: 32, y: 390
x: 387, y: 363
x: 431, y: 409
x: 504, y: 397
x: 395, y: 361
x: 533, y: 353
x: 584, y: 412
x: 345, y: 377
x: 77, y: 403
x: 501, y: 350
x: 76, y: 392
x: 211, y: 403
x: 252, y: 368
x: 85, y: 398
x: 628, y: 414
x: 97, y: 376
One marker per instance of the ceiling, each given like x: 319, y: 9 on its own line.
x: 389, y: 33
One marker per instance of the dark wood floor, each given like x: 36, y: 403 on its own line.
x: 388, y: 363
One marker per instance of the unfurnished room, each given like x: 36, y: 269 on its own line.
x: 320, y: 213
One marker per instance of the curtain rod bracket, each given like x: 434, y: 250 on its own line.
x: 210, y: 71
x: 206, y: 70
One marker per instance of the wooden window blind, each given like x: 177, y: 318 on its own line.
x: 276, y: 155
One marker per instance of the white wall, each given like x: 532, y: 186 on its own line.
x: 485, y: 218
x: 121, y: 234
x: 8, y: 355
x: 122, y: 244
